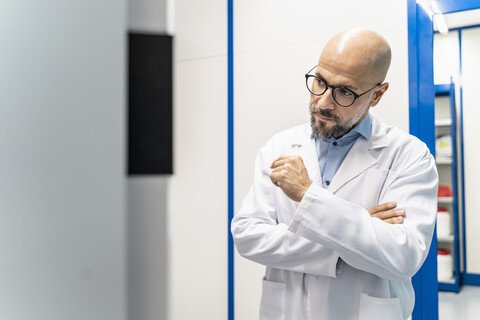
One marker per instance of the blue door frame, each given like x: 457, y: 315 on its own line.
x: 422, y: 115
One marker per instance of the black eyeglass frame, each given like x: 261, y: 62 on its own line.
x: 355, y: 95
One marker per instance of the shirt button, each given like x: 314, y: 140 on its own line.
x: 327, y: 183
x: 334, y: 143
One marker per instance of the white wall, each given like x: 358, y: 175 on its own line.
x: 272, y: 56
x: 62, y: 172
x: 446, y: 56
x: 471, y: 114
x: 276, y: 43
x: 198, y: 189
x: 147, y: 247
x: 151, y: 15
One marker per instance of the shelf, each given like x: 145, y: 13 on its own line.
x: 449, y: 285
x: 447, y: 165
x: 444, y: 160
x: 447, y: 281
x: 443, y: 122
x: 445, y: 200
x: 445, y: 238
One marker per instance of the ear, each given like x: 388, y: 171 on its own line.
x: 378, y: 94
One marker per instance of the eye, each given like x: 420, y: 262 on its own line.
x: 320, y: 82
x: 344, y: 92
x: 317, y: 85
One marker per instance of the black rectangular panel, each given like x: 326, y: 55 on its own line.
x: 150, y: 117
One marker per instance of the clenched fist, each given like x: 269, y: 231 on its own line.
x: 290, y: 175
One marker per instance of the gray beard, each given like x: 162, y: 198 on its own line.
x: 340, y: 128
x: 337, y: 131
x: 322, y: 133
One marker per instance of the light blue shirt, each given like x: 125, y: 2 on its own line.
x: 332, y: 152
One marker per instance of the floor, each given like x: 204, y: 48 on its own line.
x: 462, y: 306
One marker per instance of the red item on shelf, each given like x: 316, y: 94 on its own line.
x: 444, y: 191
x: 443, y: 252
x: 440, y: 209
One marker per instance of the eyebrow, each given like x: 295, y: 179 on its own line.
x: 317, y: 74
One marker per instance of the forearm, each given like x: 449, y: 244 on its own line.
x: 273, y: 245
x: 390, y: 251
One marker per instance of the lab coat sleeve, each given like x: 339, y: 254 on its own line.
x: 393, y: 252
x: 259, y: 237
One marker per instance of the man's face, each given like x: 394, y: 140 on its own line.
x: 329, y: 119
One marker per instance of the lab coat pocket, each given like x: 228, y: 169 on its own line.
x: 373, y: 308
x: 272, y: 306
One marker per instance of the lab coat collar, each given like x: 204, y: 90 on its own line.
x: 379, y: 135
x: 305, y: 145
x: 357, y: 160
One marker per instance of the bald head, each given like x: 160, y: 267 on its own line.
x: 359, y: 52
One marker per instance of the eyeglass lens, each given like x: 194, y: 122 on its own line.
x: 342, y: 96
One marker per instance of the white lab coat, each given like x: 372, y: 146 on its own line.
x: 326, y: 257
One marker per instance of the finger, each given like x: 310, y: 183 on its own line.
x: 281, y: 160
x: 383, y: 207
x: 386, y: 206
x: 394, y: 220
x: 274, y: 163
x: 383, y: 215
x: 276, y: 178
x: 274, y: 181
x: 278, y: 170
x: 278, y: 163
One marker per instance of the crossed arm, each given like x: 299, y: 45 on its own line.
x: 289, y: 174
x: 310, y: 245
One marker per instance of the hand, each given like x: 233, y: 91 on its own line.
x: 387, y: 213
x: 289, y: 174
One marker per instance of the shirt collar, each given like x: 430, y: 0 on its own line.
x: 364, y: 127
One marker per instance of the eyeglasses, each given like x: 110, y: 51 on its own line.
x: 343, y: 96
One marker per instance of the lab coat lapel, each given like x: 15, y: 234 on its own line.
x: 359, y: 158
x: 305, y: 148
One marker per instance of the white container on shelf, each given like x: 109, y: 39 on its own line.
x: 445, y: 265
x: 444, y: 226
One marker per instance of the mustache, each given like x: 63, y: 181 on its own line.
x: 324, y: 113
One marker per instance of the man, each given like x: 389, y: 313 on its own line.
x: 306, y: 216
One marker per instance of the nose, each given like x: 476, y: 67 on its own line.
x: 325, y: 101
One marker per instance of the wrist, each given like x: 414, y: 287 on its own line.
x: 305, y: 189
